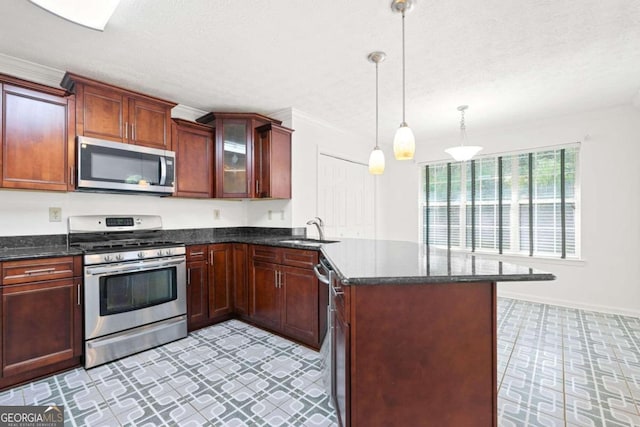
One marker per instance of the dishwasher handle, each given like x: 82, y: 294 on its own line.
x: 324, y: 279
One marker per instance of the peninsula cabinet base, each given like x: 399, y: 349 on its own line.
x: 419, y: 355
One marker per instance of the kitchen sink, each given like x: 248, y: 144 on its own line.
x: 308, y: 242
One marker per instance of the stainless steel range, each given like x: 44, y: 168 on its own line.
x: 135, y: 285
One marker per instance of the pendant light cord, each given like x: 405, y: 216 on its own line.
x: 403, y: 72
x: 377, y: 148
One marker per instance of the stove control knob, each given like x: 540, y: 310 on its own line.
x: 108, y: 258
x: 119, y: 257
x: 159, y: 252
x: 168, y: 252
x: 140, y: 254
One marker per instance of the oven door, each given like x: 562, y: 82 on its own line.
x: 127, y: 295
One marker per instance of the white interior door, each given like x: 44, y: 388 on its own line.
x: 346, y: 198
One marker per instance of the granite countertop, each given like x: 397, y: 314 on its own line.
x: 356, y: 261
x: 370, y: 262
x: 13, y: 254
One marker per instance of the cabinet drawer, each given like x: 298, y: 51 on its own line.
x: 299, y: 258
x: 266, y: 254
x: 35, y: 270
x: 196, y: 252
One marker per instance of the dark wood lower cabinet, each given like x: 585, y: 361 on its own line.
x: 240, y: 280
x: 299, y: 289
x: 41, y: 328
x: 197, y: 294
x: 265, y: 301
x: 284, y: 293
x: 220, y: 273
x: 418, y: 355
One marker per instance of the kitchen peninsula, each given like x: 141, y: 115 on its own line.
x: 413, y: 329
x: 414, y: 333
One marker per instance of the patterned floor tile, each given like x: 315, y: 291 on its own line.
x: 556, y: 367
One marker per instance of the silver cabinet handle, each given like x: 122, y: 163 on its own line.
x: 126, y: 130
x: 196, y: 253
x: 133, y: 131
x: 211, y: 258
x: 280, y: 273
x: 40, y: 271
x: 79, y: 294
x: 188, y: 276
x: 336, y: 291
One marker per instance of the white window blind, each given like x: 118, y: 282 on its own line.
x: 516, y: 203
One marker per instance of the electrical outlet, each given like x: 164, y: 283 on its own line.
x: 270, y: 215
x: 55, y: 214
x: 216, y: 214
x: 282, y: 215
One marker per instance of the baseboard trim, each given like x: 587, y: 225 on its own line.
x: 569, y: 304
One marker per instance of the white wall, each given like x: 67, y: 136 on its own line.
x: 312, y: 137
x: 27, y: 212
x: 608, y: 278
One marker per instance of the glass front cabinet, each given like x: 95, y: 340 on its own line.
x: 238, y: 165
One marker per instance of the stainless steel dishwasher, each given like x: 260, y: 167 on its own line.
x: 324, y: 273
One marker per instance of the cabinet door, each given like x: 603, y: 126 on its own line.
x: 41, y: 325
x: 272, y: 168
x: 194, y: 160
x: 150, y: 124
x: 197, y: 294
x: 240, y: 282
x: 102, y: 113
x: 37, y: 140
x: 341, y: 359
x: 265, y: 295
x: 219, y: 280
x: 300, y: 304
x: 233, y: 157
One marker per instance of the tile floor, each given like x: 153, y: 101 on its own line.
x: 556, y: 367
x: 565, y: 367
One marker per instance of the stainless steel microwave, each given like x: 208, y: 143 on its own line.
x: 117, y: 167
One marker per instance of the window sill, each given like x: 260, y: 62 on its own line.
x: 514, y: 258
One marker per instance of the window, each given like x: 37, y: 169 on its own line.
x: 517, y: 203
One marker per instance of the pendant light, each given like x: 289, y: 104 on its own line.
x: 404, y: 142
x: 463, y: 152
x: 376, y: 159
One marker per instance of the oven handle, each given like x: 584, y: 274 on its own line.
x: 137, y: 266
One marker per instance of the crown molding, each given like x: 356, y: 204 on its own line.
x: 31, y: 71
x: 185, y: 112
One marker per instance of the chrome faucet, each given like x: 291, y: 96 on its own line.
x: 319, y: 223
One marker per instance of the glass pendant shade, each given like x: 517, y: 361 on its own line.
x: 463, y: 153
x: 376, y: 162
x: 404, y: 143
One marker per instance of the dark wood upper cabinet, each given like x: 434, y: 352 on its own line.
x: 272, y: 162
x: 250, y: 163
x: 193, y: 144
x: 109, y: 112
x: 37, y: 126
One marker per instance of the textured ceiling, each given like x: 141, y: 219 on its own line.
x: 510, y: 61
